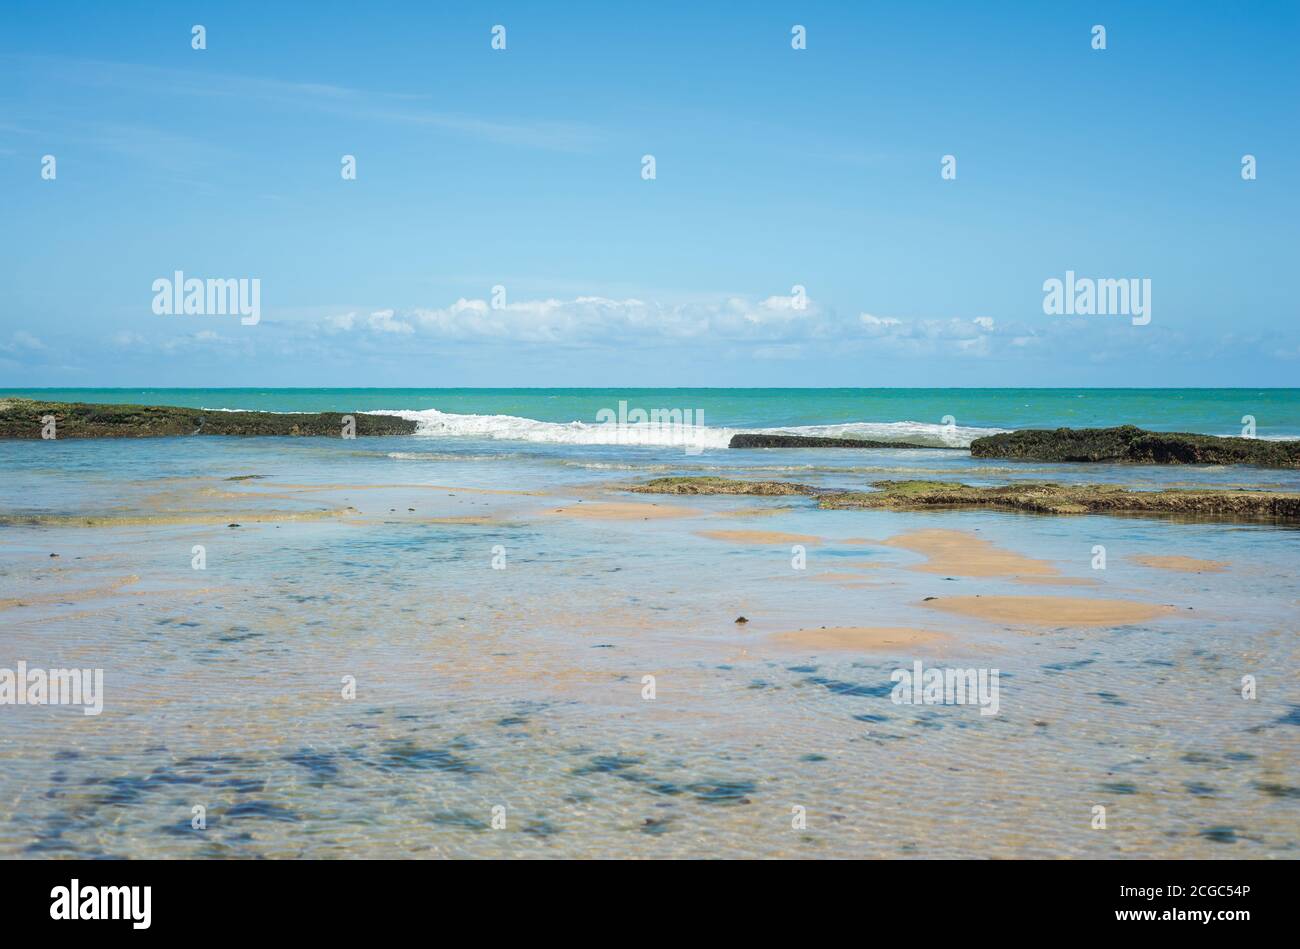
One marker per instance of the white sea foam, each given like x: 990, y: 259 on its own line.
x: 434, y: 424
x: 916, y: 433
x: 447, y: 456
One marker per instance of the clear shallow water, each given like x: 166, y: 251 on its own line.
x: 521, y: 688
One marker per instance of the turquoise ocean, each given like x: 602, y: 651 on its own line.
x: 1208, y: 411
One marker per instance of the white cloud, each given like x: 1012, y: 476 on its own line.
x: 384, y: 322
x: 596, y: 321
x: 774, y: 327
x: 22, y: 341
x: 728, y: 328
x: 920, y: 337
x: 869, y: 320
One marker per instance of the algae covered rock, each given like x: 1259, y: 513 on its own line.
x: 1128, y: 443
x: 27, y: 418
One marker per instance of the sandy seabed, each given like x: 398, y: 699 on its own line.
x: 599, y: 685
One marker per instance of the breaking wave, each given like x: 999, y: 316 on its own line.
x: 434, y: 424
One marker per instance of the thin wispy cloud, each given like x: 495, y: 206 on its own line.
x: 295, y: 96
x: 770, y: 328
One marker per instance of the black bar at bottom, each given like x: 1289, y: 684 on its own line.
x: 304, y: 898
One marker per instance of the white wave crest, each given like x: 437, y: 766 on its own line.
x: 434, y: 424
x: 915, y: 433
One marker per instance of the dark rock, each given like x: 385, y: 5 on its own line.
x: 1130, y: 444
x: 1047, y: 498
x: 710, y: 484
x: 21, y: 418
x: 759, y: 440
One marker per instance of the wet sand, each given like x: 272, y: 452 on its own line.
x: 757, y: 511
x: 622, y: 511
x: 832, y: 576
x: 860, y: 638
x: 196, y: 519
x: 1181, y: 564
x: 760, y: 537
x: 451, y: 489
x: 1050, y: 611
x: 963, y: 554
x: 69, y: 596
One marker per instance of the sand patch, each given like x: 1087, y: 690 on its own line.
x: 1050, y: 610
x: 1059, y: 581
x: 410, y: 520
x: 962, y: 554
x: 623, y: 511
x: 445, y: 487
x: 853, y: 579
x: 393, y: 487
x: 71, y: 596
x: 1182, y: 564
x: 756, y: 511
x: 759, y: 537
x: 857, y: 638
x: 150, y: 520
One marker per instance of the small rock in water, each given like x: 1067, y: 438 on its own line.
x: 232, y: 525
x: 741, y: 620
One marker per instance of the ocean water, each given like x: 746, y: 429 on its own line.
x: 902, y: 414
x: 498, y: 599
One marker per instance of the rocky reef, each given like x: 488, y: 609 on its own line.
x: 24, y: 418
x: 1035, y: 497
x: 713, y: 485
x: 1135, y: 445
x: 760, y: 440
x: 1038, y: 497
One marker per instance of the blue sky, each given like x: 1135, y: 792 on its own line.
x: 522, y: 168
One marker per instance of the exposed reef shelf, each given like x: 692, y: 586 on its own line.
x: 1035, y: 497
x: 760, y: 440
x: 1130, y: 444
x: 706, y: 484
x: 25, y: 418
